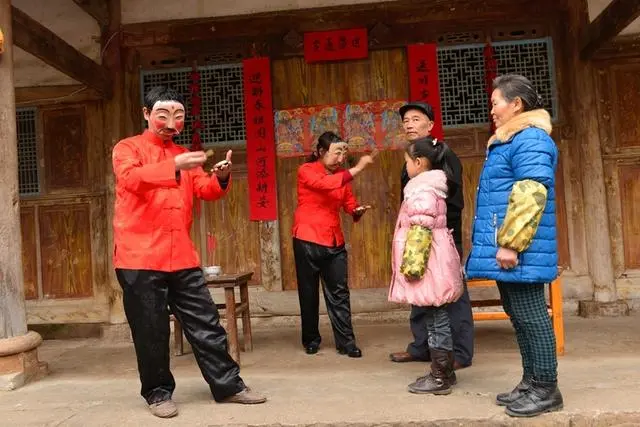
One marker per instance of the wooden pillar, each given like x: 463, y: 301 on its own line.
x: 270, y: 261
x: 113, y: 113
x: 18, y: 346
x: 599, y: 254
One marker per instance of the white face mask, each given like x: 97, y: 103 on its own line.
x: 338, y: 148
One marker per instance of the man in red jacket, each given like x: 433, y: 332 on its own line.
x: 156, y: 262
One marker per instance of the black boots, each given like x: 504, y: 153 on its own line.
x: 541, y: 397
x: 504, y: 399
x: 312, y: 348
x: 441, y: 377
x: 352, y: 351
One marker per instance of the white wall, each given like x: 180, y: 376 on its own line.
x: 70, y: 23
x: 597, y: 6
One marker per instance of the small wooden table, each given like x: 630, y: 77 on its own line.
x: 228, y: 282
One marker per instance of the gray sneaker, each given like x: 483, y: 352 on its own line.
x: 164, y: 409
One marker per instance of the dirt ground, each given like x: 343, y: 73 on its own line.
x: 95, y: 383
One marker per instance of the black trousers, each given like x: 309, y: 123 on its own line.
x: 146, y: 296
x: 461, y: 319
x: 315, y: 262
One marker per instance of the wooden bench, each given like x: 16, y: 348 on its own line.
x: 554, y: 308
x: 228, y: 282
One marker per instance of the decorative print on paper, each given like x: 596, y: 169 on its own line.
x: 321, y: 120
x: 360, y: 126
x: 365, y: 125
x: 392, y: 136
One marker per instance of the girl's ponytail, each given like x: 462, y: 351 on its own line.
x: 442, y: 160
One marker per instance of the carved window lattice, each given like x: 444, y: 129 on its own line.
x: 28, y: 174
x: 463, y: 93
x: 461, y: 37
x: 211, y: 58
x: 221, y: 90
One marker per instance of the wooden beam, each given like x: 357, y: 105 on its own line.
x: 262, y: 27
x: 623, y: 47
x: 613, y: 19
x: 98, y: 9
x: 51, y: 95
x: 33, y: 37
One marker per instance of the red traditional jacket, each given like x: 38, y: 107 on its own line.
x: 154, y: 203
x: 321, y: 195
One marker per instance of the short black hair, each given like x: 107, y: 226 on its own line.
x: 161, y: 93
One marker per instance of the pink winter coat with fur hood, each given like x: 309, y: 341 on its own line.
x: 425, y: 205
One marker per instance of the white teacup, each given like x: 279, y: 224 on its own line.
x: 212, y: 270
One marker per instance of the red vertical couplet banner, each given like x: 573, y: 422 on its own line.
x: 261, y: 146
x: 490, y: 73
x: 423, y: 80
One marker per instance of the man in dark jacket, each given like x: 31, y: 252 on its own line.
x: 417, y: 118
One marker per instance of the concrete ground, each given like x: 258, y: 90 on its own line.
x: 95, y: 383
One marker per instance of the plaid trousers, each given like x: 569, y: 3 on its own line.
x: 527, y: 309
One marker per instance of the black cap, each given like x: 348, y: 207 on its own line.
x: 420, y: 106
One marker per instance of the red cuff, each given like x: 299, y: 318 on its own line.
x: 346, y: 177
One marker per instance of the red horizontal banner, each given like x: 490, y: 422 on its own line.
x: 261, y: 150
x: 336, y: 45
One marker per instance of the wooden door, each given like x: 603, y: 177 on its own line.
x: 64, y: 242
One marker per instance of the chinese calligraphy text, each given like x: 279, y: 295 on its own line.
x: 423, y: 80
x: 336, y: 45
x: 261, y: 153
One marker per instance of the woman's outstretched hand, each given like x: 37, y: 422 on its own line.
x: 363, y: 162
x: 360, y: 210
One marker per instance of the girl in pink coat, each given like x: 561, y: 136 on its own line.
x: 425, y: 262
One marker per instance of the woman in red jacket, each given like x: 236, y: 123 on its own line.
x: 324, y: 188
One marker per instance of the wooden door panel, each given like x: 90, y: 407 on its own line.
x: 65, y: 149
x: 287, y: 170
x: 29, y: 252
x: 630, y: 197
x: 370, y: 239
x: 65, y: 238
x: 237, y: 238
x: 627, y: 106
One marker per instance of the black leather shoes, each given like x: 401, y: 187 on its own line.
x: 351, y: 352
x: 504, y: 399
x: 311, y: 349
x: 541, y: 397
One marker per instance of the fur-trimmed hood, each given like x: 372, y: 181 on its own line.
x: 535, y: 118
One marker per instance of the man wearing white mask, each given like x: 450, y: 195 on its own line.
x: 156, y: 262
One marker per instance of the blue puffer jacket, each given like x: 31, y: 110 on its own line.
x: 521, y: 149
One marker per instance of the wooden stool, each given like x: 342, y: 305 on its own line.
x: 554, y: 308
x: 232, y: 310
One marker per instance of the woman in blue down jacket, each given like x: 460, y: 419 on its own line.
x: 514, y: 236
